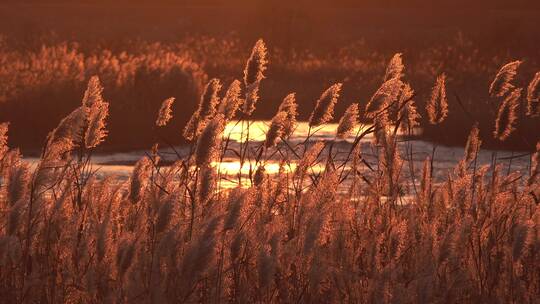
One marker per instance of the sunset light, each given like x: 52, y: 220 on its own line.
x: 268, y: 151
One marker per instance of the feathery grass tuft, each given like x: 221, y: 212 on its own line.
x: 533, y: 96
x: 507, y: 116
x: 348, y: 121
x: 473, y: 144
x: 289, y: 106
x: 380, y: 103
x: 502, y: 82
x: 437, y: 106
x: 395, y: 68
x: 231, y: 102
x: 205, y: 111
x: 253, y: 75
x: 209, y: 141
x: 324, y: 109
x: 165, y: 112
x: 276, y: 129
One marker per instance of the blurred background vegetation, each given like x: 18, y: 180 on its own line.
x: 146, y: 51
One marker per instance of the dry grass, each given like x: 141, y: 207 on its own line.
x: 49, y: 81
x: 49, y: 77
x: 171, y: 234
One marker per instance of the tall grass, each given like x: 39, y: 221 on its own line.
x: 351, y: 233
x: 49, y: 81
x: 139, y: 75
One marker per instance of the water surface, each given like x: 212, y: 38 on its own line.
x: 414, y: 152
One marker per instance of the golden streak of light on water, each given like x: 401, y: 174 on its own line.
x: 237, y: 131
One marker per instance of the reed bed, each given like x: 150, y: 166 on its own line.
x: 171, y: 234
x: 50, y: 80
x: 48, y: 76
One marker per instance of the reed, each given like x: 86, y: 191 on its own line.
x: 437, y: 106
x: 165, y: 112
x: 502, y: 82
x: 174, y: 234
x: 507, y: 116
x: 324, y: 109
x: 533, y: 96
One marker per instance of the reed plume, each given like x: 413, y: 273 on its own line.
x: 207, y: 184
x: 507, y: 116
x: 348, y: 121
x: 71, y: 127
x: 3, y: 139
x: 324, y: 109
x: 310, y: 156
x: 190, y: 130
x: 253, y: 75
x: 209, y: 141
x: 385, y: 96
x: 165, y: 112
x: 409, y: 117
x: 96, y: 130
x: 289, y: 106
x: 502, y: 82
x: 95, y: 110
x: 473, y: 144
x: 205, y: 110
x: 238, y: 198
x: 66, y: 136
x: 256, y: 64
x: 437, y: 106
x: 389, y: 158
x: 231, y: 102
x: 395, y: 68
x: 93, y: 94
x: 139, y: 179
x: 85, y: 126
x: 209, y: 99
x: 533, y: 96
x: 276, y: 129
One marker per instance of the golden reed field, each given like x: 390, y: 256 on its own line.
x: 171, y: 234
x: 348, y: 217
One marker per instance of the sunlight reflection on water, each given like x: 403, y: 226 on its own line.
x: 121, y: 164
x: 233, y: 167
x: 258, y: 129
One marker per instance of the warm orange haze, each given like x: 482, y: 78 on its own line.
x: 265, y: 152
